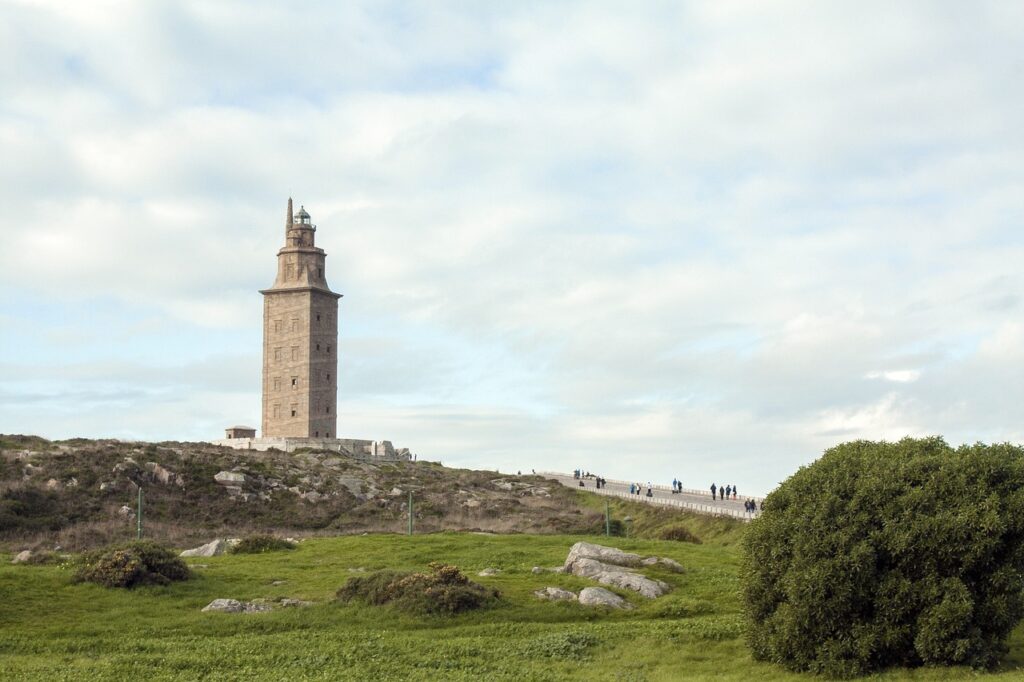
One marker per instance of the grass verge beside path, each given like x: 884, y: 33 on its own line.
x: 50, y: 629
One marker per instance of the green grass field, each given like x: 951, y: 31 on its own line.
x: 51, y: 629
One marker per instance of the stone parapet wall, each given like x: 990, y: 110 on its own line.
x: 381, y: 450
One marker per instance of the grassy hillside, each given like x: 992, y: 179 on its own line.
x: 50, y: 629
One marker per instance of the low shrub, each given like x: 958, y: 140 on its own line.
x: 258, y: 544
x: 130, y: 565
x: 442, y: 590
x: 679, y: 534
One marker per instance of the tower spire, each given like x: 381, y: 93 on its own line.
x: 288, y: 224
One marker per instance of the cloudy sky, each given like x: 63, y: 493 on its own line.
x: 704, y: 240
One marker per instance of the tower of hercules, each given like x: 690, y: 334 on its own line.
x: 300, y: 339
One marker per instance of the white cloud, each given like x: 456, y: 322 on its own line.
x: 679, y: 237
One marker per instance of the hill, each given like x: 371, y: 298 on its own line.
x: 82, y: 493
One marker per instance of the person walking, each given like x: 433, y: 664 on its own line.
x: 727, y: 491
x: 674, y: 486
x: 713, y: 491
x: 734, y: 491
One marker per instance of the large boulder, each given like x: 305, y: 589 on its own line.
x: 213, y: 548
x: 598, y: 596
x: 607, y: 555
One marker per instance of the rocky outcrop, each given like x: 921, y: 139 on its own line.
x: 555, y: 594
x: 488, y: 572
x: 598, y: 596
x: 22, y: 557
x: 213, y: 548
x: 607, y: 555
x: 610, y: 566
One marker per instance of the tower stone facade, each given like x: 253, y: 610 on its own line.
x: 300, y: 339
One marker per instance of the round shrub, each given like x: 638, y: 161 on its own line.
x: 258, y: 544
x: 889, y: 554
x: 137, y: 563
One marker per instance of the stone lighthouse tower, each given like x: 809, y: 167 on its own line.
x: 300, y: 339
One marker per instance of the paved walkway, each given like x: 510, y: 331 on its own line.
x: 694, y: 500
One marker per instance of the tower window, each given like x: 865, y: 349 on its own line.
x: 319, y: 272
x: 318, y: 317
x: 277, y: 325
x: 318, y: 346
x: 316, y: 433
x: 328, y: 434
x: 277, y: 411
x: 328, y: 349
x: 295, y: 410
x: 295, y: 382
x: 328, y: 377
x: 295, y: 352
x: 295, y: 324
x: 328, y: 409
x: 277, y: 383
x: 277, y: 354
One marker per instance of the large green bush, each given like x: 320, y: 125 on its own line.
x: 889, y: 554
x: 130, y: 565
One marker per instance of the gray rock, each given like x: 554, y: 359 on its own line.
x: 295, y: 603
x: 555, y: 594
x: 126, y: 512
x: 278, y: 582
x: 213, y: 548
x: 598, y: 596
x: 230, y: 478
x: 649, y: 561
x: 671, y: 564
x: 235, y: 606
x: 607, y: 555
x: 395, y: 492
x: 487, y: 572
x: 536, y: 570
x: 618, y: 576
x: 22, y: 557
x: 225, y: 606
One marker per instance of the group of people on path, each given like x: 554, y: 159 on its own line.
x: 637, y: 489
x: 726, y: 493
x: 599, y: 482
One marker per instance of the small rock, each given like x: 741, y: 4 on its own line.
x: 225, y: 606
x: 52, y: 484
x: 487, y: 572
x: 235, y: 606
x: 22, y: 557
x: 671, y: 564
x: 555, y: 594
x: 650, y: 561
x: 598, y: 596
x: 212, y: 548
x: 472, y: 504
x: 536, y: 570
x: 395, y: 492
x: 126, y: 512
x: 230, y: 478
x: 292, y: 603
x: 105, y: 486
x: 279, y: 582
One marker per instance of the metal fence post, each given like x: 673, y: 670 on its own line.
x: 138, y: 518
